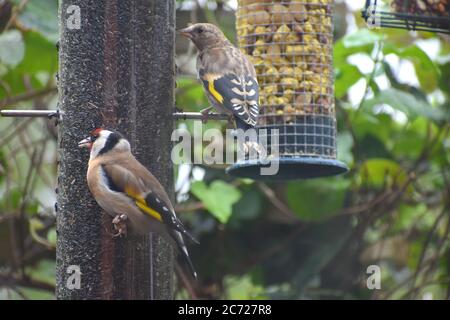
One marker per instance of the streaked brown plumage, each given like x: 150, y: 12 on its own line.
x: 228, y: 77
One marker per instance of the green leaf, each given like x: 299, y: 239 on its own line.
x: 344, y: 147
x: 410, y: 141
x: 320, y: 243
x: 16, y: 84
x: 317, y: 199
x: 12, y: 48
x: 41, y: 16
x: 445, y: 77
x: 32, y: 208
x: 243, y: 288
x: 358, y: 42
x: 248, y: 207
x: 371, y: 147
x: 41, y: 50
x: 380, y: 172
x: 407, y: 103
x: 361, y: 38
x: 15, y: 199
x: 44, y: 271
x: 51, y: 236
x: 365, y: 122
x: 36, y: 294
x: 218, y: 197
x: 407, y: 215
x: 40, y: 56
x: 190, y: 91
x: 426, y: 70
x: 346, y: 76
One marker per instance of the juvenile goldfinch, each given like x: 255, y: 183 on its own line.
x: 127, y: 191
x: 227, y: 75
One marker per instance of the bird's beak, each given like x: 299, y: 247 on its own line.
x: 85, y: 143
x: 186, y: 32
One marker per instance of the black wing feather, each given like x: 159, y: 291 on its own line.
x: 169, y: 218
x: 241, y: 96
x: 110, y: 183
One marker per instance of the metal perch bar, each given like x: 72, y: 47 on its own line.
x: 50, y: 113
x: 28, y: 113
x: 199, y: 116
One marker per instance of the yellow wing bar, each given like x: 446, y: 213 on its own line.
x: 214, y: 92
x: 142, y: 204
x: 149, y: 211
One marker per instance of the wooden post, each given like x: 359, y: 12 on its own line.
x: 116, y: 70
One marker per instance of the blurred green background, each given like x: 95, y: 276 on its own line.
x: 309, y: 239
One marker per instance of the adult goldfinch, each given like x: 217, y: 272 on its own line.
x: 127, y: 191
x: 227, y: 75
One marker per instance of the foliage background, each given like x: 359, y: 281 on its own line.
x: 309, y: 239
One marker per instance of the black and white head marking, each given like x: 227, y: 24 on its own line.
x: 107, y: 141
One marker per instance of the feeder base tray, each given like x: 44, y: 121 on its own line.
x: 289, y: 169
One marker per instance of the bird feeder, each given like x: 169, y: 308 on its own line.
x: 291, y: 46
x: 421, y: 15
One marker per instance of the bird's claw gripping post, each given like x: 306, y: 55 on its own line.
x: 230, y: 120
x: 252, y: 149
x: 54, y: 114
x: 205, y: 113
x: 120, y: 224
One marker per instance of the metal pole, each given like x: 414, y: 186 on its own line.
x: 117, y: 71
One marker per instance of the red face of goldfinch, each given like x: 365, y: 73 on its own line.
x: 102, y: 141
x: 89, y: 141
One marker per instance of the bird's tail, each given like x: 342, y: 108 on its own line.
x: 180, y: 227
x: 176, y: 235
x: 240, y: 124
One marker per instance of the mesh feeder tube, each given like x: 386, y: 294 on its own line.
x: 291, y: 46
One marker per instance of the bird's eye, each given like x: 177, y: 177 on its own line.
x: 199, y: 30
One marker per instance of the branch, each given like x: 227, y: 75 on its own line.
x: 259, y: 257
x: 277, y: 203
x: 10, y: 280
x: 17, y: 11
x: 427, y: 244
x: 189, y: 207
x: 27, y: 96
